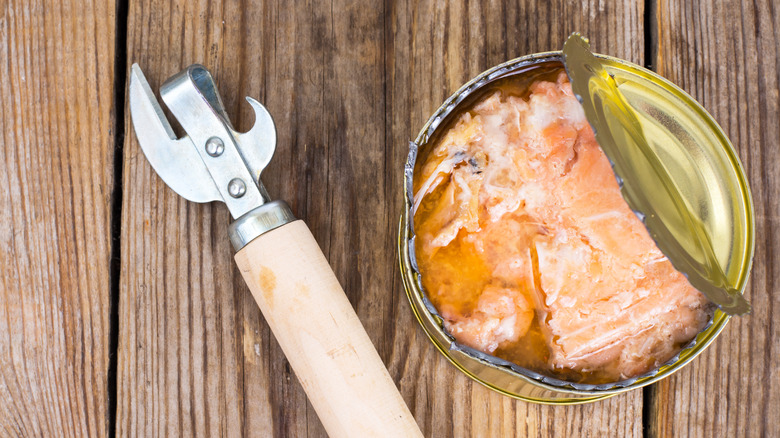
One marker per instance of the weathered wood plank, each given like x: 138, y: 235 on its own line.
x: 432, y: 48
x: 727, y: 56
x: 56, y: 170
x: 348, y: 84
x: 179, y: 352
x: 181, y: 296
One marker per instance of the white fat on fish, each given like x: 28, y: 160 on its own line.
x: 501, y: 315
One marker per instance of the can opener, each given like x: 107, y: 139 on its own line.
x: 289, y: 277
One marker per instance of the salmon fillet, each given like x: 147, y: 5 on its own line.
x: 519, y: 217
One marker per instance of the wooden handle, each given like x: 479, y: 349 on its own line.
x: 320, y: 334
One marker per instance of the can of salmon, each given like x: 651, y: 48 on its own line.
x: 506, y: 351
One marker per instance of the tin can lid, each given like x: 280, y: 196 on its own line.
x: 668, y: 202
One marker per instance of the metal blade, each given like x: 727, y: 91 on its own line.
x: 192, y: 97
x: 175, y: 160
x: 257, y: 146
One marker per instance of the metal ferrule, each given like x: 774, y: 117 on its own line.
x: 259, y: 221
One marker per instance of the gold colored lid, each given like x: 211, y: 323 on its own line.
x: 660, y: 183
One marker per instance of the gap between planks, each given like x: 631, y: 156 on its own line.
x: 651, y: 51
x: 115, y: 267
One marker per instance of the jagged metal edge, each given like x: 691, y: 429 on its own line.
x: 433, y: 123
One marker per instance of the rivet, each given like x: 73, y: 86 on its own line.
x: 236, y: 187
x: 215, y: 146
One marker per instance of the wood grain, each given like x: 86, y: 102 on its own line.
x: 727, y: 56
x: 56, y: 170
x: 348, y: 83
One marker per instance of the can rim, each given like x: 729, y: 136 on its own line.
x: 581, y: 393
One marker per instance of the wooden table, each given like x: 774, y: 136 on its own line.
x: 121, y: 310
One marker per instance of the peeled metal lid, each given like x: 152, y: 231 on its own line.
x: 650, y: 189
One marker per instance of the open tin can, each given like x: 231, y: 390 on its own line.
x: 697, y: 154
